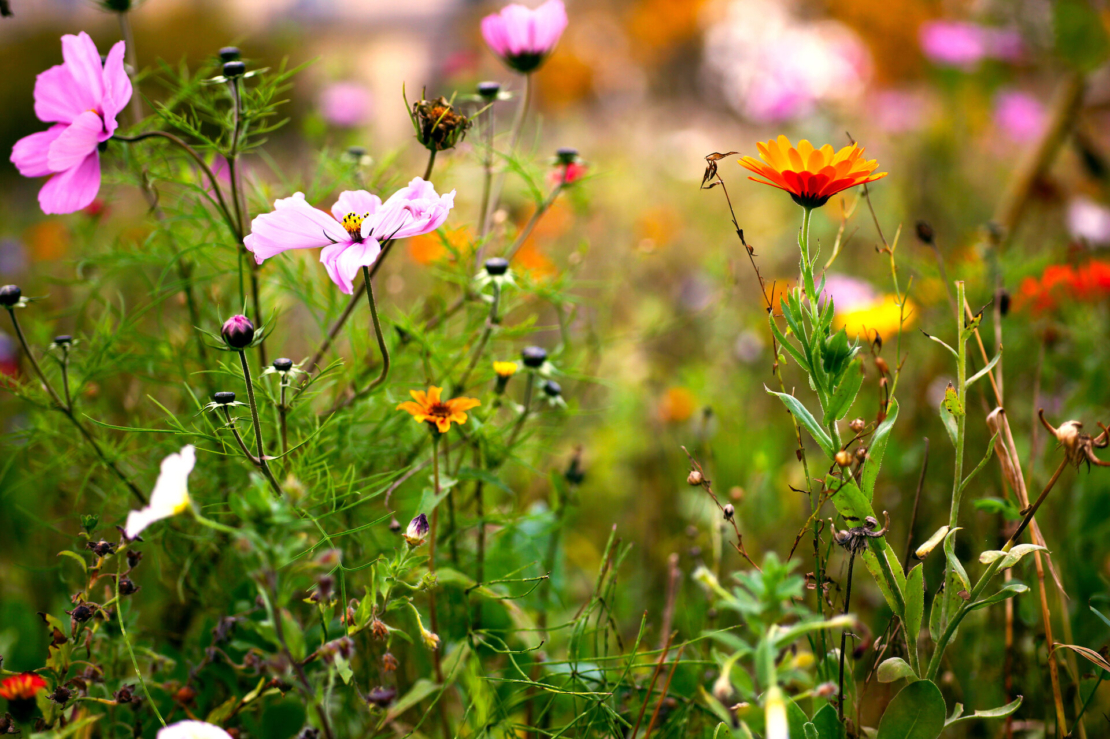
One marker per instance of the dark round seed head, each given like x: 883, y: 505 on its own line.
x: 356, y: 152
x: 533, y: 356
x: 552, y: 389
x: 489, y: 90
x: 63, y: 339
x: 224, y: 398
x: 229, y: 54
x: 566, y: 155
x: 234, y: 69
x: 283, y: 364
x: 497, y: 266
x: 10, y: 295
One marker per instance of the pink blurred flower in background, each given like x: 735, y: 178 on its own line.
x: 847, y: 293
x: 522, y: 37
x: 352, y: 233
x: 901, y: 111
x: 962, y: 44
x: 774, y: 67
x: 82, y: 97
x: 346, y: 104
x: 1088, y: 221
x: 1019, y: 115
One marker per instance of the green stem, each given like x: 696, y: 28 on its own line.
x: 808, y: 283
x: 480, y: 347
x: 514, y: 136
x: 961, y: 422
x: 127, y: 642
x: 257, y: 425
x: 431, y: 164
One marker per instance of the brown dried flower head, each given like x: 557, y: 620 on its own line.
x: 438, y: 125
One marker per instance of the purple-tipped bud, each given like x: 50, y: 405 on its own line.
x: 63, y: 340
x: 224, y: 398
x: 566, y: 155
x: 497, y: 266
x: 283, y: 365
x: 230, y: 54
x: 381, y: 697
x: 234, y: 69
x: 417, y: 530
x: 552, y: 389
x: 238, y: 332
x: 10, y: 295
x: 356, y: 152
x: 489, y: 90
x: 533, y: 356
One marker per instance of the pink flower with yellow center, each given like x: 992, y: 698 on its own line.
x: 523, y: 37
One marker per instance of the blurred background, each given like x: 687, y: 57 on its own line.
x: 957, y: 100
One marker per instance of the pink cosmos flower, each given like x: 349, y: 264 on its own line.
x: 1020, y: 116
x: 352, y: 233
x: 346, y: 104
x: 82, y: 97
x: 522, y: 37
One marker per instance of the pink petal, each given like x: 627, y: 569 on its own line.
x: 550, y: 22
x: 344, y: 264
x: 411, y: 211
x: 117, y: 87
x: 293, y: 224
x: 518, y: 29
x: 83, y: 61
x: 493, y: 31
x: 72, y: 190
x: 58, y: 97
x: 355, y: 201
x: 77, y: 141
x: 30, y: 152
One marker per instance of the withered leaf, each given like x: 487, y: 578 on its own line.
x: 711, y: 168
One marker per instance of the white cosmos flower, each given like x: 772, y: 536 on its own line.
x: 192, y: 729
x: 170, y: 497
x: 776, y: 726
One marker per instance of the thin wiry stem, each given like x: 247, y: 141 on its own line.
x: 257, y: 425
x: 844, y: 638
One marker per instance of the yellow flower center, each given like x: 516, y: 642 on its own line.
x: 352, y: 222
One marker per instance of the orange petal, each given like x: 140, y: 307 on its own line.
x: 805, y: 149
x: 419, y: 396
x: 433, y: 394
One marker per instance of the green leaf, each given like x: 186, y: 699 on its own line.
x: 1009, y: 590
x: 1006, y: 507
x: 844, y: 395
x: 75, y: 556
x: 917, y: 712
x: 894, y: 669
x: 294, y: 636
x: 981, y: 373
x: 1001, y: 712
x: 930, y: 544
x: 949, y: 424
x: 851, y: 503
x: 810, y: 731
x: 1011, y: 558
x: 956, y: 580
x: 828, y: 725
x: 1081, y: 38
x: 420, y: 690
x: 876, y: 451
x: 806, y: 419
x: 791, y: 633
x: 952, y: 402
x: 915, y: 603
x: 1103, y: 618
x: 796, y: 718
x: 470, y: 473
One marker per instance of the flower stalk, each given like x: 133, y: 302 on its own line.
x: 262, y: 463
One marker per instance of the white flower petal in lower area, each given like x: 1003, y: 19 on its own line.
x: 170, y: 496
x: 192, y: 729
x: 775, y: 720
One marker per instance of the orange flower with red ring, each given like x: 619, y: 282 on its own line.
x: 810, y: 175
x: 21, y: 687
x: 428, y: 407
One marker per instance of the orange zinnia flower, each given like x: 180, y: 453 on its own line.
x: 441, y: 413
x: 21, y: 687
x: 811, y: 176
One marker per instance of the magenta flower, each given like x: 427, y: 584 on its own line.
x: 352, y: 233
x: 82, y: 97
x: 1020, y: 116
x: 346, y: 104
x: 522, y: 37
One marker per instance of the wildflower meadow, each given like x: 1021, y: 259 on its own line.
x: 631, y: 368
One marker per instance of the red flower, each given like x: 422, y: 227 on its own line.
x: 1060, y: 283
x: 21, y: 687
x: 568, y: 173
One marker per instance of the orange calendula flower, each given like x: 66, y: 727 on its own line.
x: 21, y: 687
x: 810, y: 175
x: 441, y: 413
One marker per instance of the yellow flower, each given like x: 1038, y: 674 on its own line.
x: 882, y: 316
x: 441, y: 413
x: 810, y: 175
x: 504, y: 369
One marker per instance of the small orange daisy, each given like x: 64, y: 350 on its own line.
x: 441, y: 413
x: 810, y: 175
x: 21, y: 687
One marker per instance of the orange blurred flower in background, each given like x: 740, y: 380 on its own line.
x: 21, y: 687
x: 428, y: 407
x: 430, y: 248
x: 810, y: 175
x: 677, y: 405
x: 1061, y: 283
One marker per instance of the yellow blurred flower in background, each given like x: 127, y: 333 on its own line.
x: 677, y: 405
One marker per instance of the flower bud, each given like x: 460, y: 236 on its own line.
x: 82, y: 613
x: 729, y: 511
x: 489, y: 90
x: 497, y: 266
x: 61, y: 695
x: 381, y: 697
x: 861, y: 454
x: 283, y: 364
x: 843, y: 458
x: 394, y: 525
x: 10, y: 295
x: 857, y: 425
x: 552, y: 389
x: 389, y: 662
x: 925, y: 233
x: 775, y: 722
x: 566, y: 155
x: 695, y: 478
x: 356, y: 152
x: 229, y: 54
x: 881, y: 364
x: 127, y: 586
x: 63, y: 340
x: 825, y: 690
x: 238, y: 332
x: 438, y: 125
x: 224, y: 398
x: 234, y: 69
x: 417, y: 530
x: 379, y: 630
x: 533, y: 356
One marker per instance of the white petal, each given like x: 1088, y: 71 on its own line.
x: 192, y: 730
